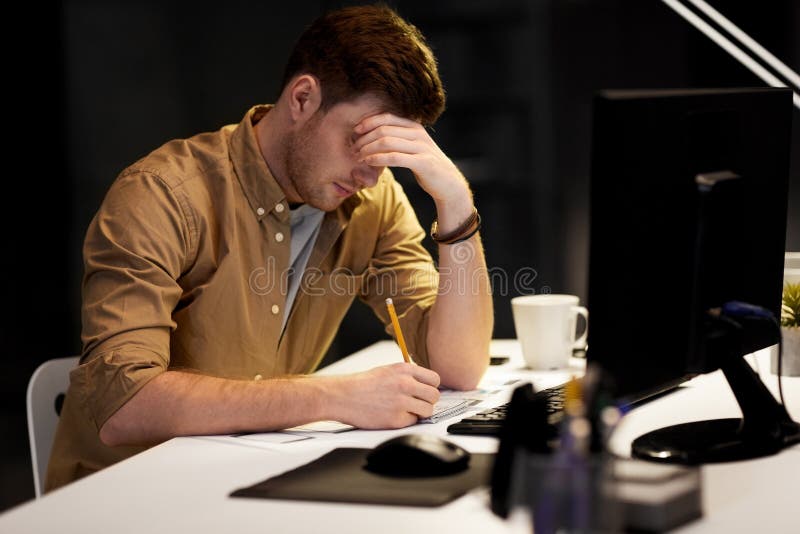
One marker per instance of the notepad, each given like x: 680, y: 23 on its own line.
x: 447, y: 408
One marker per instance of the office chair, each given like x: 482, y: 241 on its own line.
x: 46, y: 390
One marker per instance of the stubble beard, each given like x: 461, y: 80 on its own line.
x: 301, y: 163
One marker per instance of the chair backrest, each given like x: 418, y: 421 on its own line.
x: 46, y: 390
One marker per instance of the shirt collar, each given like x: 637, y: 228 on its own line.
x: 260, y: 187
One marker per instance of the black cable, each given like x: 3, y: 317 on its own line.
x: 743, y: 309
x: 780, y: 362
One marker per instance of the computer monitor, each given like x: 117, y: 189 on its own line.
x: 689, y: 196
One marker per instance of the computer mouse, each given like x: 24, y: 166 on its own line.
x: 417, y: 455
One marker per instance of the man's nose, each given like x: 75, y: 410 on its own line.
x: 366, y: 176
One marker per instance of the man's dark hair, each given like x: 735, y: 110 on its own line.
x: 370, y: 49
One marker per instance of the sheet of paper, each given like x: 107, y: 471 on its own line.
x: 270, y: 437
x: 321, y: 426
x: 475, y: 394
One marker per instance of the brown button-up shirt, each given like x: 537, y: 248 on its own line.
x: 186, y: 268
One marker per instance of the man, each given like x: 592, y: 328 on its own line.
x: 218, y: 268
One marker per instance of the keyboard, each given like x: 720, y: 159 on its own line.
x: 489, y: 421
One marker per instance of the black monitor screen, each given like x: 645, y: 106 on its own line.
x: 663, y: 251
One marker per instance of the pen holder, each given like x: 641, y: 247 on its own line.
x: 566, y: 493
x: 601, y: 493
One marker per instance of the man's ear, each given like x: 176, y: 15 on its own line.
x: 305, y: 97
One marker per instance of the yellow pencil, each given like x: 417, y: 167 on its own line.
x: 397, y: 332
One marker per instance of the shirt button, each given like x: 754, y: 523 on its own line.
x: 279, y: 237
x: 257, y: 378
x: 279, y: 208
x: 275, y: 309
x: 260, y: 211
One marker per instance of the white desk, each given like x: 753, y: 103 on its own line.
x: 183, y: 484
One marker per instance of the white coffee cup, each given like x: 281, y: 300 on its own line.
x: 546, y: 328
x: 791, y: 260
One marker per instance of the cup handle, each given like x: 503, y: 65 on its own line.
x: 580, y: 343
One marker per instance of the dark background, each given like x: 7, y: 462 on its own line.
x: 98, y: 84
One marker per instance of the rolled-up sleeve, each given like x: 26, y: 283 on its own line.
x: 402, y: 269
x: 135, y: 250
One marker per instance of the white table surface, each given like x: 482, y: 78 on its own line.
x: 183, y: 485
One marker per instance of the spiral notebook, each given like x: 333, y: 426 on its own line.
x: 447, y: 408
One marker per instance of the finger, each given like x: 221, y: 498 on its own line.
x: 392, y: 159
x: 420, y: 408
x: 386, y: 131
x: 384, y: 119
x: 391, y: 144
x: 426, y: 376
x: 405, y: 419
x: 428, y: 394
x: 423, y: 392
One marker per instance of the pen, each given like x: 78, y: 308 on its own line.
x: 397, y: 332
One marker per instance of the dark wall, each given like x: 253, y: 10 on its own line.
x: 114, y: 80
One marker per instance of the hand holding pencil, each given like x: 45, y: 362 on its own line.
x: 388, y: 396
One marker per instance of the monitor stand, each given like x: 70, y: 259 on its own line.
x: 764, y: 429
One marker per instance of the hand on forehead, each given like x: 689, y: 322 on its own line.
x: 383, y: 119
